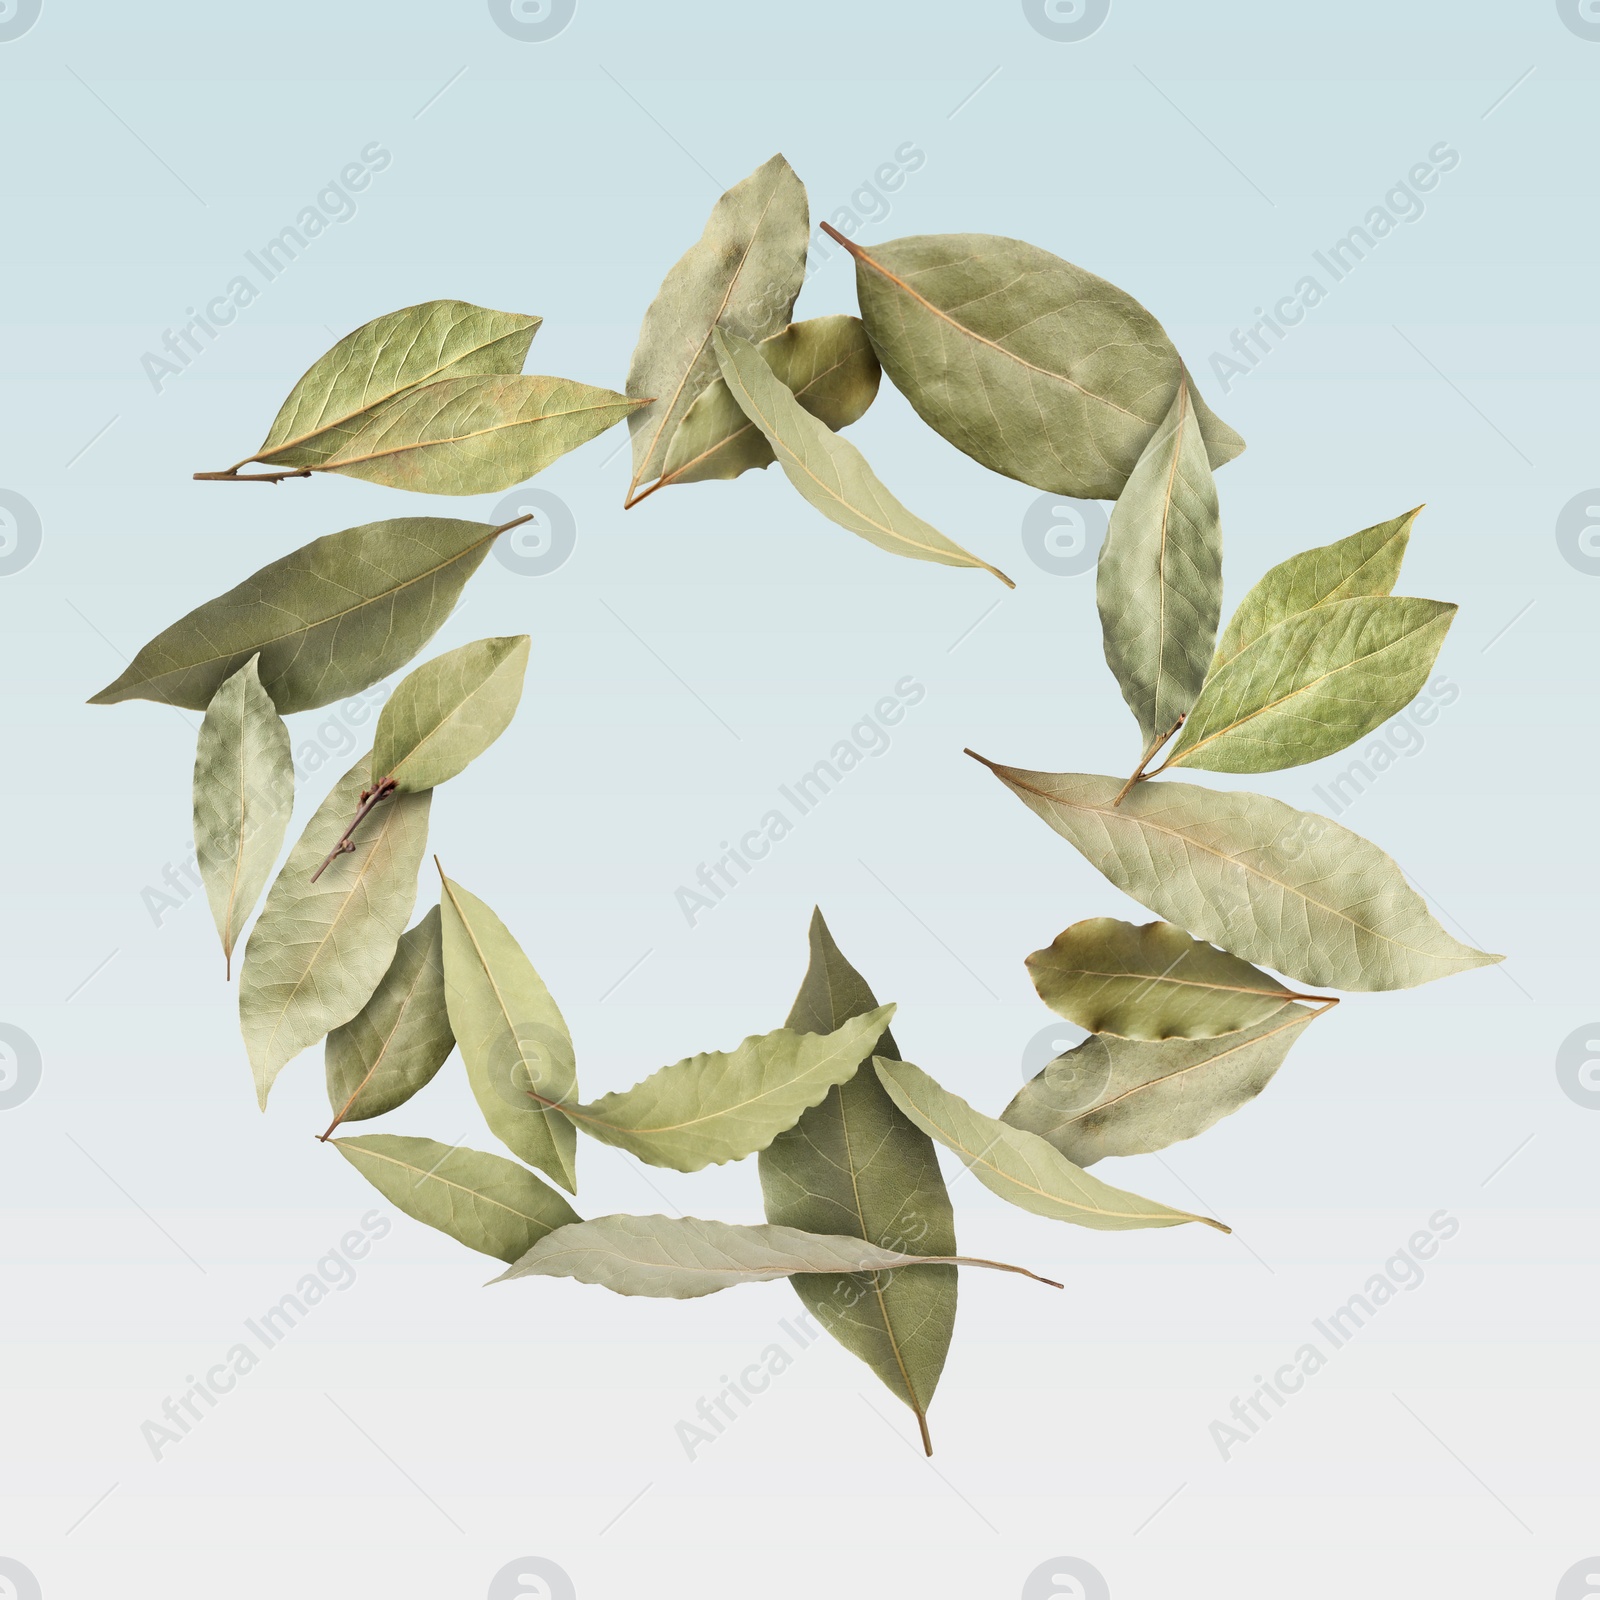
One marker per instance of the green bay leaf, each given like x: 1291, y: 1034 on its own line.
x: 473, y: 435
x: 742, y: 274
x: 1032, y: 366
x: 1113, y: 1096
x: 484, y: 1201
x: 397, y: 1042
x: 385, y: 358
x: 829, y: 471
x: 827, y: 364
x: 724, y: 1106
x: 328, y: 620
x: 1286, y: 888
x: 243, y: 798
x: 1313, y: 684
x: 319, y: 950
x: 514, y: 1040
x: 446, y: 713
x: 681, y: 1258
x: 855, y: 1164
x: 1365, y: 563
x: 1153, y: 982
x: 1019, y: 1166
x: 1159, y: 582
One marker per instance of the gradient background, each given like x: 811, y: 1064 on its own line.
x: 417, y: 1436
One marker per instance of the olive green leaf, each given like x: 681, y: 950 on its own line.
x: 396, y: 1043
x: 829, y: 471
x: 855, y: 1164
x: 444, y: 715
x: 1159, y: 586
x: 513, y: 1038
x: 387, y: 357
x: 1313, y: 684
x: 1289, y: 889
x: 319, y: 950
x: 742, y: 274
x: 1153, y: 982
x: 681, y: 1258
x: 1019, y: 1166
x: 1124, y: 1097
x: 1031, y: 365
x: 474, y: 435
x: 486, y: 1202
x: 723, y: 1107
x: 827, y: 364
x: 243, y: 796
x: 328, y: 621
x: 1366, y: 563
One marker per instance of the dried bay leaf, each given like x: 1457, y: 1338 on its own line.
x: 724, y: 1106
x: 487, y: 1203
x: 243, y: 798
x: 1365, y: 563
x: 743, y: 274
x: 827, y: 364
x: 1149, y: 1093
x: 855, y: 1164
x: 398, y: 1041
x: 446, y: 713
x: 829, y: 471
x: 514, y: 1040
x: 1028, y: 364
x: 1286, y: 888
x: 328, y: 620
x: 1153, y: 982
x: 387, y: 357
x: 1017, y: 1165
x: 319, y: 950
x: 681, y: 1258
x: 1313, y: 684
x: 474, y: 435
x: 1159, y: 582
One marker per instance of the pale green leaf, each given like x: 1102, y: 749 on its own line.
x: 243, y: 797
x: 725, y: 1106
x: 829, y: 471
x: 398, y: 1041
x: 1159, y: 585
x: 855, y: 1164
x: 1365, y: 563
x: 681, y: 1258
x: 1286, y: 888
x: 1313, y: 684
x: 474, y: 435
x: 384, y: 358
x: 1019, y: 1166
x: 319, y: 950
x: 446, y: 713
x: 1031, y: 365
x: 513, y: 1038
x: 328, y: 621
x: 1153, y: 982
x: 742, y: 274
x: 1124, y: 1097
x: 486, y: 1202
x: 827, y: 364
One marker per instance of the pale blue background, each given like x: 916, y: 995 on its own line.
x: 717, y: 641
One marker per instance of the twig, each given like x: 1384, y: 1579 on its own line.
x: 1139, y: 774
x: 234, y: 475
x: 369, y: 802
